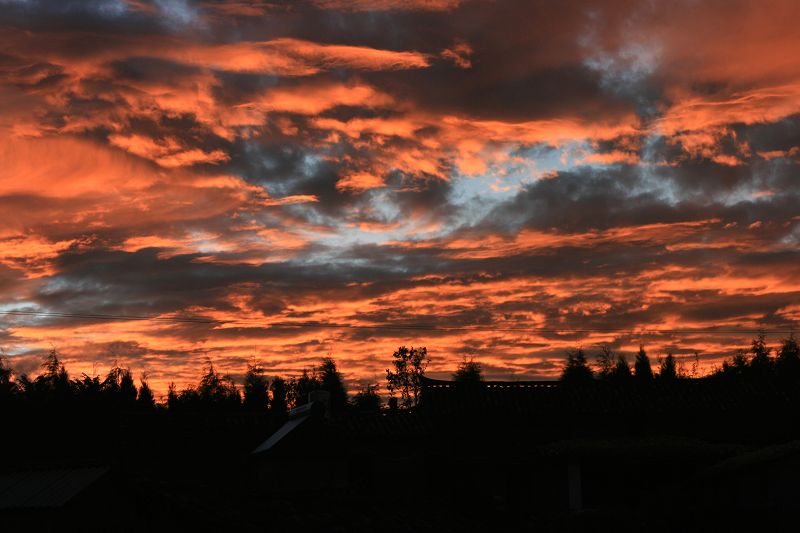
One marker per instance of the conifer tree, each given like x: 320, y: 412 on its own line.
x: 787, y: 363
x: 668, y: 370
x: 576, y: 369
x: 622, y: 370
x: 278, y: 402
x: 331, y: 380
x: 145, y: 401
x: 642, y: 369
x: 760, y: 362
x: 256, y: 388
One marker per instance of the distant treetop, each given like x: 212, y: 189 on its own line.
x: 468, y: 372
x: 576, y: 369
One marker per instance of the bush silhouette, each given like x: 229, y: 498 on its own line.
x: 367, y: 400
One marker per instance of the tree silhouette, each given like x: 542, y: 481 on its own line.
x: 330, y: 379
x: 468, y: 372
x: 367, y: 399
x: 89, y: 390
x: 53, y: 385
x: 300, y: 388
x: 172, y: 397
x: 738, y: 365
x: 145, y: 401
x: 256, y: 388
x: 127, y: 389
x: 622, y: 370
x: 760, y: 362
x: 189, y: 399
x: 787, y: 362
x: 409, y: 367
x: 576, y: 369
x: 218, y: 391
x: 642, y: 369
x: 52, y: 365
x: 605, y: 363
x: 8, y: 386
x: 118, y: 388
x: 278, y: 402
x: 668, y: 370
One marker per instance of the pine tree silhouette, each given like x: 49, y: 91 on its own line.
x: 576, y: 368
x: 642, y: 369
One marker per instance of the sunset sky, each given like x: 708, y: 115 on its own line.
x: 518, y: 177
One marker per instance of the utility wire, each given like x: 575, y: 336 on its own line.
x: 385, y: 326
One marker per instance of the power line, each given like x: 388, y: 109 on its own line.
x: 399, y: 327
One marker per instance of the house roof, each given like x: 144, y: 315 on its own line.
x: 282, y: 433
x: 349, y: 430
x: 45, y: 488
x: 778, y: 453
x: 298, y: 417
x: 598, y: 397
x: 401, y: 423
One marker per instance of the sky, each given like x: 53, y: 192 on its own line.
x: 294, y: 180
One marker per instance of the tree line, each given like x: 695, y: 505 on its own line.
x: 214, y: 391
x: 757, y: 362
x: 261, y: 393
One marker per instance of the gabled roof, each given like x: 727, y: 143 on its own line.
x: 282, y: 433
x: 405, y: 423
x: 778, y: 453
x: 299, y: 416
x: 445, y: 398
x: 45, y: 488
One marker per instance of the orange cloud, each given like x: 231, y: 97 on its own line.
x: 484, y: 247
x: 459, y: 54
x: 30, y: 166
x: 359, y: 182
x: 284, y: 56
x: 389, y: 5
x: 694, y: 113
x: 290, y: 57
x: 168, y: 153
x: 31, y: 254
x: 314, y: 99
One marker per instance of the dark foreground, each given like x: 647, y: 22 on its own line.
x: 689, y: 456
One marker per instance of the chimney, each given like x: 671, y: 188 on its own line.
x: 323, y: 397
